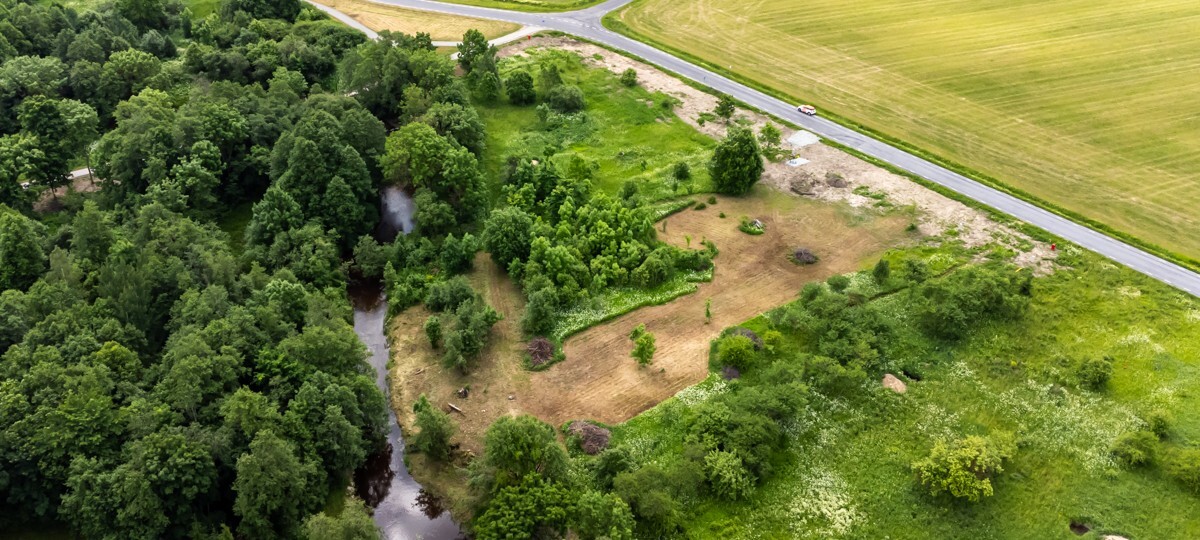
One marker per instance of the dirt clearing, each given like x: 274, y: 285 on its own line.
x: 599, y: 380
x: 440, y: 27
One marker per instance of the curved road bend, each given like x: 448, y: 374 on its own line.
x: 586, y: 23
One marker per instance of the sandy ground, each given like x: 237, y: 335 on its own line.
x: 936, y: 213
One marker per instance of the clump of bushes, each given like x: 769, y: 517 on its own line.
x: 1184, y: 465
x: 700, y: 206
x: 712, y: 199
x: 566, y: 98
x: 736, y: 351
x: 433, y: 331
x: 1094, y: 373
x: 838, y: 283
x: 947, y: 308
x: 750, y: 226
x: 1135, y: 448
x: 629, y: 78
x: 749, y: 334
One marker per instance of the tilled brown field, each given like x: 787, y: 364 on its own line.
x: 599, y: 380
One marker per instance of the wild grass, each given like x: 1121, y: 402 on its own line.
x: 1081, y: 104
x: 625, y: 133
x: 614, y: 302
x: 846, y: 472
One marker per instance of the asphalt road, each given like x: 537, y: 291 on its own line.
x: 586, y: 23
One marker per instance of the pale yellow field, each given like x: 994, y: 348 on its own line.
x: 440, y: 27
x: 1092, y: 105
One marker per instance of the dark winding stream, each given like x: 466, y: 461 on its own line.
x: 403, y: 510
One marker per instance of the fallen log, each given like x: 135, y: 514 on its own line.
x: 456, y: 409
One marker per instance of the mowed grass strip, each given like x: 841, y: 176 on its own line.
x: 440, y: 27
x: 1088, y: 104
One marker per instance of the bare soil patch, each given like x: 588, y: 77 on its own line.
x: 439, y: 26
x: 600, y: 381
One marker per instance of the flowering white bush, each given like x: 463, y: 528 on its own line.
x: 823, y: 504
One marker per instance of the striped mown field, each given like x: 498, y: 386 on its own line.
x: 1092, y: 105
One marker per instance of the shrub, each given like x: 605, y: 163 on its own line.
x: 1160, y: 421
x: 1135, y: 447
x: 700, y: 206
x: 637, y: 332
x: 1184, y: 466
x: 810, y: 291
x: 643, y: 348
x: 519, y: 87
x: 1095, y: 372
x: 736, y: 351
x: 947, y: 308
x: 963, y: 468
x: 681, y: 171
x: 727, y: 475
x: 882, y: 271
x: 448, y: 295
x: 772, y: 339
x: 712, y: 199
x: 565, y: 98
x: 838, y: 283
x: 749, y: 226
x: 749, y: 334
x: 629, y: 78
x: 433, y: 330
x: 434, y: 429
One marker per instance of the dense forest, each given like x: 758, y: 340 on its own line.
x: 166, y: 374
x: 160, y: 377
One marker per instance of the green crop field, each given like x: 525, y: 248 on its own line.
x: 1091, y: 105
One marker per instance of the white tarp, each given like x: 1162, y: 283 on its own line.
x: 796, y: 162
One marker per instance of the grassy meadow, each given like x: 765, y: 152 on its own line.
x: 624, y: 134
x: 1087, y: 104
x: 846, y: 472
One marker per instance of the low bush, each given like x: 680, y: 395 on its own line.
x: 1095, y: 372
x: 1135, y: 448
x: 1184, y: 465
x: 565, y: 98
x: 750, y: 226
x: 629, y: 78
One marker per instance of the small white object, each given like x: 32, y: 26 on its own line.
x: 796, y: 162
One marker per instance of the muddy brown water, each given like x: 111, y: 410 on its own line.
x: 403, y: 510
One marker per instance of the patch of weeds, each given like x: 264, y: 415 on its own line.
x: 750, y: 226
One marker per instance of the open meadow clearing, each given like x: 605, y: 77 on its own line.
x: 1088, y: 105
x: 441, y: 27
x: 846, y: 471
